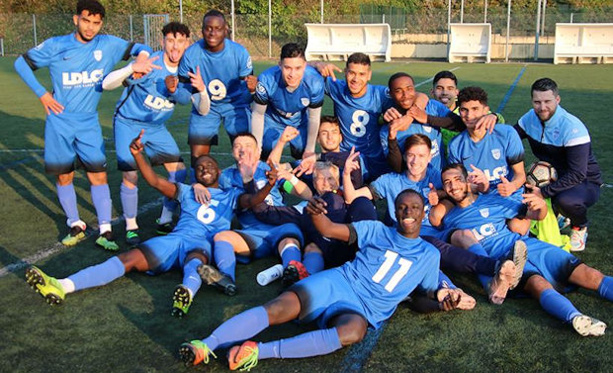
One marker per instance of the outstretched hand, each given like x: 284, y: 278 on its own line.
x: 316, y: 206
x: 136, y: 146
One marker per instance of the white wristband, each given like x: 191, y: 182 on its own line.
x: 294, y: 180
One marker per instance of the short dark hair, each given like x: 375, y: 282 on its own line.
x: 472, y: 94
x: 445, y: 74
x: 358, y: 58
x: 330, y: 119
x: 455, y: 166
x: 545, y: 84
x: 92, y: 6
x: 175, y: 28
x: 397, y: 76
x: 213, y: 13
x: 203, y: 156
x: 417, y: 139
x: 292, y: 50
x: 244, y: 134
x: 409, y: 191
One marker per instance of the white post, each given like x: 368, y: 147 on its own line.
x: 2, y: 47
x: 543, y: 15
x: 506, y: 48
x: 322, y: 12
x: 485, y: 12
x: 34, y: 28
x: 462, y: 11
x: 538, y: 31
x: 181, y: 10
x: 571, y: 17
x: 233, y: 21
x: 448, y: 25
x: 131, y: 29
x: 269, y: 28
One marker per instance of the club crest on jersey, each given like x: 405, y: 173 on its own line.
x: 260, y: 88
x: 305, y: 101
x: 97, y: 54
x: 496, y: 154
x: 485, y: 212
x: 428, y: 129
x: 249, y: 63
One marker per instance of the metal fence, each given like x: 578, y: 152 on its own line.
x: 19, y: 32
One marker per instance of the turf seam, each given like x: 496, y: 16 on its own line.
x: 507, y: 96
x: 431, y: 79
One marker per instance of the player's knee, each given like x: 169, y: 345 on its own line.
x: 351, y: 333
x: 200, y: 255
x: 312, y: 248
x: 288, y: 241
x: 130, y: 178
x: 65, y: 179
x: 463, y: 238
x: 284, y: 308
x: 134, y: 260
x: 224, y: 236
x: 536, y: 284
x: 97, y: 178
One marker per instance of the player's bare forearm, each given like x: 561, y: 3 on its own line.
x: 324, y: 225
x: 165, y: 187
x: 247, y: 201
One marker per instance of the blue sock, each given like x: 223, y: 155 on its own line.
x: 191, y: 278
x: 605, y: 289
x: 558, y: 305
x: 98, y: 275
x: 225, y: 260
x: 318, y: 342
x: 290, y: 252
x: 68, y: 200
x: 129, y: 200
x: 101, y: 197
x: 479, y: 250
x: 240, y: 327
x: 313, y: 262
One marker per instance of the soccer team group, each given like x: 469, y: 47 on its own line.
x: 451, y: 175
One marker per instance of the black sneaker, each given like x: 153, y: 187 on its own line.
x: 132, y: 237
x: 218, y: 280
x: 164, y: 229
x: 293, y: 273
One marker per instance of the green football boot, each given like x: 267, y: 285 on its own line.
x: 181, y: 301
x: 107, y: 242
x: 48, y: 287
x: 76, y: 235
x: 195, y: 352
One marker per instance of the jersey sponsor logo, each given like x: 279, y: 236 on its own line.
x: 358, y: 125
x: 305, y: 101
x: 485, y: 212
x: 97, y: 54
x: 486, y: 230
x: 83, y: 78
x: 158, y: 103
x: 496, y: 173
x: 496, y: 154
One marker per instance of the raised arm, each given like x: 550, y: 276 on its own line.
x: 350, y: 192
x: 167, y: 188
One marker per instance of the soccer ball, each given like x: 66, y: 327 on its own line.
x: 540, y: 174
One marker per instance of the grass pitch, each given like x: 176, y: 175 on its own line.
x: 126, y: 326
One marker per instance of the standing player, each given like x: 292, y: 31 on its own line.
x: 549, y: 270
x: 290, y: 94
x: 188, y: 246
x: 77, y: 63
x: 147, y: 103
x: 560, y: 138
x: 228, y: 75
x: 391, y: 263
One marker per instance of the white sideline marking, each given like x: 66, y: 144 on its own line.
x: 56, y: 247
x: 40, y: 150
x: 431, y: 79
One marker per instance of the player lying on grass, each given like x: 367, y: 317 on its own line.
x: 391, y: 263
x: 188, y: 246
x: 549, y: 270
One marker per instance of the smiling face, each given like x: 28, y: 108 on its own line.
x: 455, y: 184
x: 214, y: 32
x: 174, y: 46
x: 242, y: 146
x: 545, y: 104
x: 292, y: 71
x: 325, y: 180
x: 445, y: 91
x: 402, y: 90
x: 471, y: 112
x: 417, y: 158
x: 207, y: 171
x: 357, y: 77
x: 329, y: 137
x: 409, y: 214
x: 88, y: 25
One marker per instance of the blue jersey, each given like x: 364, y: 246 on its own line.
x: 77, y: 69
x: 198, y: 220
x: 147, y: 100
x: 388, y: 267
x: 494, y: 154
x: 390, y: 185
x: 231, y: 178
x: 359, y: 117
x: 487, y: 218
x: 285, y: 108
x: 223, y: 73
x: 433, y: 108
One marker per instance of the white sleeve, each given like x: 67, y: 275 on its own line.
x: 202, y: 102
x: 314, y: 117
x: 115, y: 78
x: 257, y: 122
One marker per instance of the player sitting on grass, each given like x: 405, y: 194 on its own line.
x: 188, y: 246
x: 549, y: 269
x: 391, y: 263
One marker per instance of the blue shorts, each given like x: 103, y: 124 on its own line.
x: 263, y: 242
x: 160, y: 146
x: 325, y: 295
x: 551, y: 262
x: 203, y: 130
x: 168, y: 252
x: 70, y: 137
x: 272, y: 133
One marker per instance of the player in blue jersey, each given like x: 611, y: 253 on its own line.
x: 255, y: 239
x: 560, y: 138
x: 290, y: 94
x: 148, y: 102
x: 391, y: 263
x: 228, y: 74
x: 188, y: 246
x: 549, y: 270
x: 77, y: 63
